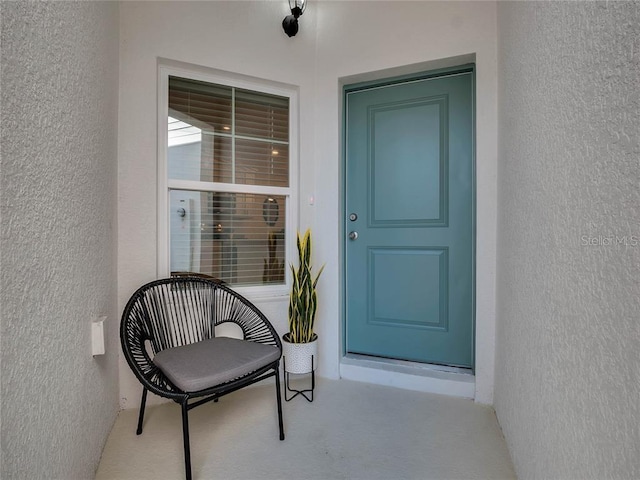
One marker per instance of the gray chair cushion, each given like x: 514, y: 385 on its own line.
x: 212, y: 362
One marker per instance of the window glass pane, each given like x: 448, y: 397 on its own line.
x: 261, y: 115
x: 205, y: 105
x: 237, y: 238
x: 262, y: 163
x: 199, y: 130
x: 193, y: 154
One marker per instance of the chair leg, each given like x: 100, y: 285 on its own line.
x: 279, y: 403
x: 185, y: 434
x: 143, y: 402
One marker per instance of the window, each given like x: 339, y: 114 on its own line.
x: 226, y: 157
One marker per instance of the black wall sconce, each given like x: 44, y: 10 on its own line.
x: 290, y: 22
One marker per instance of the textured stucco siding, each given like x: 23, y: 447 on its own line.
x: 568, y: 343
x: 58, y: 254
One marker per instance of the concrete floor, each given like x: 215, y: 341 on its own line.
x: 351, y: 431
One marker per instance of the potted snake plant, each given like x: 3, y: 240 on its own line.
x: 300, y: 346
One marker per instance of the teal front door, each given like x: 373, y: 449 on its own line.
x: 409, y: 219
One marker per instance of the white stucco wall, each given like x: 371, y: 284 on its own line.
x: 336, y: 40
x: 58, y: 257
x: 568, y: 348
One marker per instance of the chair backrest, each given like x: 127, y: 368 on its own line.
x: 182, y: 310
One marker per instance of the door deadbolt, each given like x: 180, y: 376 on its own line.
x: 353, y: 217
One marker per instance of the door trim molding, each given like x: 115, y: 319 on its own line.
x: 409, y: 78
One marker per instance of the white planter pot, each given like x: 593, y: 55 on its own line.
x: 297, y: 356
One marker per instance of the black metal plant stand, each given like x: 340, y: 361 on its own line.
x: 304, y: 393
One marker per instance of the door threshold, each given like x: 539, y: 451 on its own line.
x: 452, y: 381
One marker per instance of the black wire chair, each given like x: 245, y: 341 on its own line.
x: 170, y: 323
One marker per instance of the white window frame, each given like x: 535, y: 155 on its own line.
x: 177, y: 69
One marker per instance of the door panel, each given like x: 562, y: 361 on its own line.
x: 409, y: 180
x: 406, y: 192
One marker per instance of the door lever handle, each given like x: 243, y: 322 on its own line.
x: 353, y: 235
